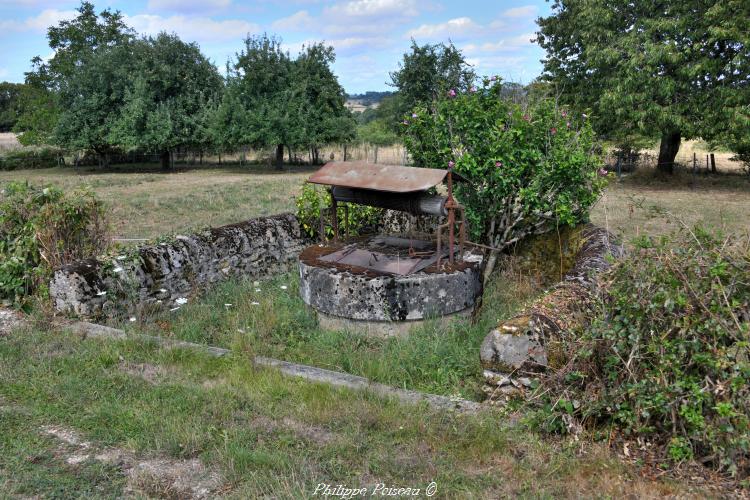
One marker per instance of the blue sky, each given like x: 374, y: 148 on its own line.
x: 370, y: 36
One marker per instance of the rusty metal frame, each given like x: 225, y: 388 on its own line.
x: 452, y: 205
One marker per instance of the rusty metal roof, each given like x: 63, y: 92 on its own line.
x: 391, y: 178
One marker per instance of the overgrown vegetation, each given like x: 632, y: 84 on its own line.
x: 666, y: 362
x: 530, y: 168
x: 316, y: 198
x: 42, y: 229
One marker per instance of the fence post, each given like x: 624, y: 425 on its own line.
x: 618, y: 166
x: 713, y: 164
x: 695, y: 159
x: 707, y: 168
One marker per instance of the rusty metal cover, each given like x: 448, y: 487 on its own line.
x: 391, y: 178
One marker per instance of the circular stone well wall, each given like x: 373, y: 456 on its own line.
x: 359, y: 299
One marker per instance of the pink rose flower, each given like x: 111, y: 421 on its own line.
x: 564, y: 113
x: 451, y: 164
x: 567, y: 124
x: 603, y: 172
x: 493, y: 78
x: 498, y: 164
x: 413, y: 115
x: 452, y: 93
x: 526, y: 117
x: 473, y: 89
x: 553, y: 130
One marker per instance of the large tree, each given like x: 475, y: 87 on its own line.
x: 273, y: 100
x: 170, y: 86
x: 324, y: 115
x: 261, y: 104
x: 663, y: 69
x: 426, y: 73
x: 73, y: 43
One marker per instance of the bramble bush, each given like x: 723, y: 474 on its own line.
x: 313, y: 198
x: 42, y: 229
x: 668, y: 359
x: 531, y: 167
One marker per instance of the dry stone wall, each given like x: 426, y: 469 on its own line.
x: 160, y: 275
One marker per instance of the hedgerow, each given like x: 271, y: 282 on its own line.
x: 30, y: 157
x: 666, y: 363
x: 42, y: 229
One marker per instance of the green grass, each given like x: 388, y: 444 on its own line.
x: 263, y: 434
x: 275, y: 322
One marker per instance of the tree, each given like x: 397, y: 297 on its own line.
x: 324, y: 115
x: 668, y: 69
x: 73, y: 42
x: 530, y: 168
x: 260, y: 107
x: 170, y: 89
x: 91, y: 99
x: 378, y: 134
x: 274, y: 100
x: 428, y: 72
x: 9, y: 105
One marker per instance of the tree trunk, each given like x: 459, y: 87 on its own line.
x: 344, y: 152
x: 279, y: 156
x: 289, y: 153
x: 165, y: 160
x: 670, y: 144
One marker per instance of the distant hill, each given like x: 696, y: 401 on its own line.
x: 369, y: 98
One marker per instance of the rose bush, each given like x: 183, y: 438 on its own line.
x: 530, y: 167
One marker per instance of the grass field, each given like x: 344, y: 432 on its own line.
x: 85, y: 418
x: 145, y: 202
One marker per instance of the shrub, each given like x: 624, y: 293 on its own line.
x: 530, y: 167
x: 42, y: 229
x: 667, y: 360
x: 314, y: 198
x: 29, y: 157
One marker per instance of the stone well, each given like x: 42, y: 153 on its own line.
x: 349, y: 294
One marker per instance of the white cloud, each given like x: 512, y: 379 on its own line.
x: 506, y: 44
x: 455, y: 28
x: 39, y: 23
x: 198, y: 29
x: 525, y: 11
x: 188, y: 6
x: 298, y: 21
x: 374, y: 9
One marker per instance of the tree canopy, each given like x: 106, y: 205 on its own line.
x: 74, y: 42
x: 9, y: 105
x: 427, y: 72
x: 274, y: 100
x: 667, y: 69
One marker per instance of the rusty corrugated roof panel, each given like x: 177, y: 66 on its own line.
x: 391, y: 178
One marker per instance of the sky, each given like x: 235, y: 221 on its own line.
x: 369, y: 36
